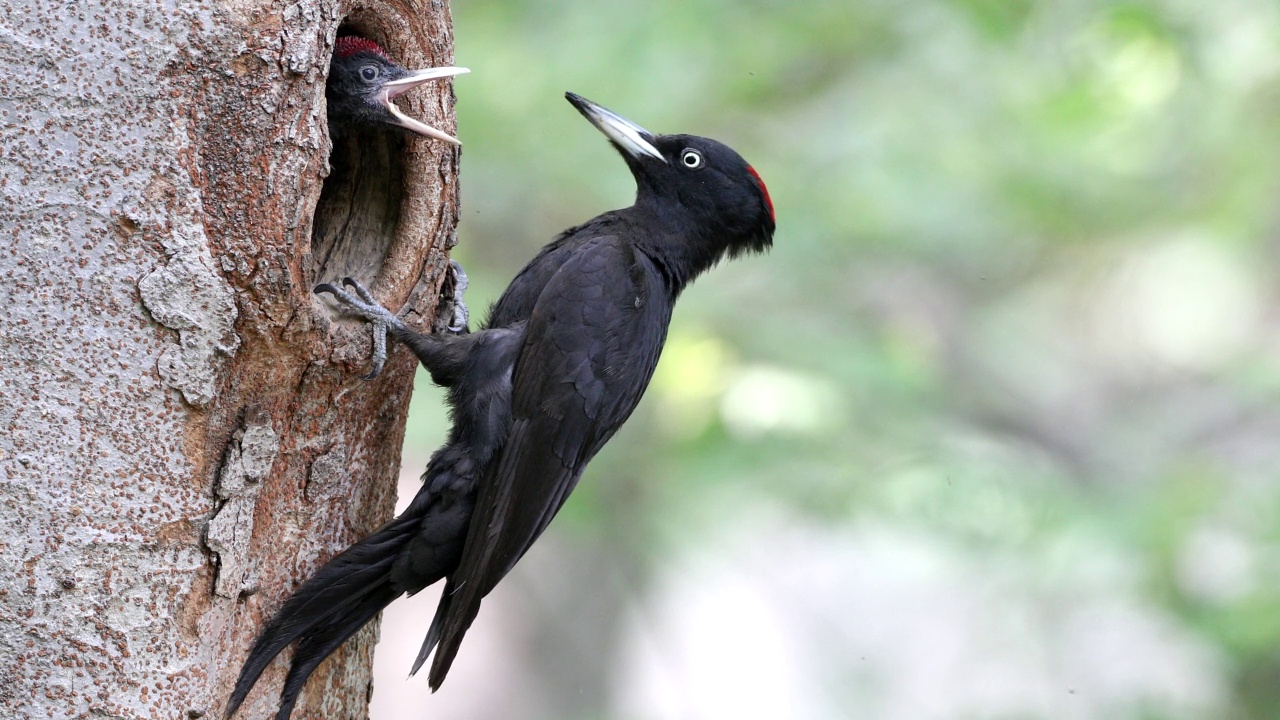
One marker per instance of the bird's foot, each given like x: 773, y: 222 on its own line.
x: 456, y: 306
x: 381, y: 320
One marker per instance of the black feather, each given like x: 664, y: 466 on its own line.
x: 322, y: 640
x: 339, y: 585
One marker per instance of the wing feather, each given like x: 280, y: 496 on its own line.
x: 604, y: 309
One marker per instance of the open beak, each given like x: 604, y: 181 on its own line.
x: 394, y: 88
x: 627, y: 136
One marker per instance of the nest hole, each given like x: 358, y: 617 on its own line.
x: 359, y: 208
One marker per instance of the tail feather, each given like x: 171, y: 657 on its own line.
x: 455, y: 624
x: 323, y: 600
x: 436, y: 630
x: 321, y: 641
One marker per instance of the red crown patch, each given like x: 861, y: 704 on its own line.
x: 349, y: 45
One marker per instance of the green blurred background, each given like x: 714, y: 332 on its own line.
x: 992, y: 432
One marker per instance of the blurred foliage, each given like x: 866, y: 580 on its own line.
x: 1021, y: 300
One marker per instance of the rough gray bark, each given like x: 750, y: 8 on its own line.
x: 183, y: 434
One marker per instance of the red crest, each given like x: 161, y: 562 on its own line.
x: 349, y: 45
x: 765, y: 190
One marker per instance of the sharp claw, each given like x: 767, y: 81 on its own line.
x: 323, y: 288
x: 459, y: 323
x: 359, y: 289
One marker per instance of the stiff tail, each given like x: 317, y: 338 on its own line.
x: 447, y: 631
x: 447, y: 652
x: 436, y: 630
x: 338, y: 600
x: 321, y: 641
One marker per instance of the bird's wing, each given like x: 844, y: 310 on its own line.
x: 591, y: 344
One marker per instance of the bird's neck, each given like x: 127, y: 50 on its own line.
x: 681, y: 250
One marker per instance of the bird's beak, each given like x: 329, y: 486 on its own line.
x: 627, y: 136
x: 400, y: 86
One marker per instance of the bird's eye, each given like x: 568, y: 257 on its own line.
x: 369, y: 72
x: 691, y: 159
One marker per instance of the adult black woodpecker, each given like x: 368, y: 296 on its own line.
x: 363, y: 80
x: 564, y: 358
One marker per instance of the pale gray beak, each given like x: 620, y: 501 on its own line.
x: 626, y: 135
x: 402, y: 85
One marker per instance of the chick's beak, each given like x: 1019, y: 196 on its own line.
x: 399, y: 86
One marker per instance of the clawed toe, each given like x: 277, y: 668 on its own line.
x: 381, y: 320
x: 461, y: 314
x: 379, y: 358
x: 362, y: 303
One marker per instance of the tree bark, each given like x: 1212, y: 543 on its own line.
x: 184, y: 436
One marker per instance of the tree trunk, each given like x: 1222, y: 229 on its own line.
x: 185, y: 436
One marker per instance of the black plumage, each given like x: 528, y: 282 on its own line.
x: 563, y: 360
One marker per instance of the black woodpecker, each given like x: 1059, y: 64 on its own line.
x: 564, y: 358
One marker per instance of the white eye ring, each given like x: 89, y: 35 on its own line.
x: 691, y: 159
x: 369, y: 72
